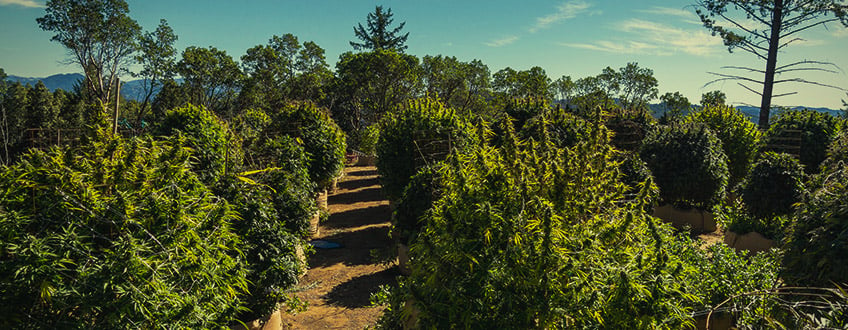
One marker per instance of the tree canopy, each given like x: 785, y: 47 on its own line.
x: 99, y: 35
x: 378, y: 35
x: 764, y: 28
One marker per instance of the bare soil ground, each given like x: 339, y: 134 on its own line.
x: 340, y: 281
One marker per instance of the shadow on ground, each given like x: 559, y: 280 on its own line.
x: 356, y: 247
x: 358, y: 217
x: 362, y: 172
x: 356, y: 184
x: 360, y: 196
x: 357, y: 291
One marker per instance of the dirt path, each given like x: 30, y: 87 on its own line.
x: 340, y: 281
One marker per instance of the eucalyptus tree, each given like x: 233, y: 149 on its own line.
x: 370, y: 84
x: 675, y: 103
x: 764, y: 28
x: 211, y: 78
x: 459, y: 84
x: 100, y: 37
x: 564, y: 88
x: 525, y: 83
x: 638, y: 86
x: 157, y: 58
x: 284, y: 69
x: 378, y: 35
x: 713, y: 98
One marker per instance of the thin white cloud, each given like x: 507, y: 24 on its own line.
x: 22, y: 3
x: 809, y: 42
x: 840, y: 32
x: 644, y: 37
x: 629, y: 47
x: 565, y: 11
x: 667, y: 11
x: 502, y: 42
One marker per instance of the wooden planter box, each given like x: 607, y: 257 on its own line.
x: 301, y: 259
x: 403, y: 259
x: 698, y: 220
x: 270, y: 322
x: 321, y: 200
x: 313, y: 224
x: 753, y: 241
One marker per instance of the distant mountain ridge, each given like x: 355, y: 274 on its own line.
x: 131, y: 90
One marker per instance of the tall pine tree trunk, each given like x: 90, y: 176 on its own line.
x: 771, y: 63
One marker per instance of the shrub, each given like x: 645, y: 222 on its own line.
x: 274, y: 218
x: 275, y: 203
x: 818, y: 130
x: 634, y: 172
x: 773, y: 185
x: 398, y: 151
x: 629, y: 127
x: 563, y: 129
x: 216, y: 150
x: 817, y: 251
x: 837, y: 152
x: 368, y: 138
x: 522, y: 109
x: 739, y: 137
x: 117, y: 234
x: 687, y: 163
x: 418, y: 197
x: 323, y: 140
x: 533, y: 236
x: 735, y: 217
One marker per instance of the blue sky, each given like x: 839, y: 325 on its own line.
x: 573, y: 37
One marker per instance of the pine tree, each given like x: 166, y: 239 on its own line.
x: 378, y: 35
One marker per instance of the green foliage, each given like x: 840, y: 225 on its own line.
x: 817, y: 252
x: 460, y: 85
x: 323, y: 140
x: 818, y: 130
x: 215, y: 148
x: 773, y: 186
x: 525, y: 84
x: 676, y: 105
x: 628, y: 127
x: 739, y: 137
x: 562, y: 128
x: 117, y: 234
x: 713, y: 99
x: 157, y: 59
x: 100, y: 37
x: 367, y: 139
x: 837, y: 153
x: 520, y: 110
x: 534, y: 236
x: 275, y: 205
x: 688, y: 164
x: 211, y: 78
x: 418, y: 197
x: 634, y: 172
x: 282, y: 70
x: 735, y: 216
x: 369, y: 85
x: 378, y: 36
x: 397, y: 150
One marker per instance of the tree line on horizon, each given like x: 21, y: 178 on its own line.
x: 366, y: 84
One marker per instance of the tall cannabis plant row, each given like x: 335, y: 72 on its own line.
x: 117, y: 234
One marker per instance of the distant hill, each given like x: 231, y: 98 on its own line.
x: 132, y: 90
x: 753, y: 113
x: 64, y: 81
